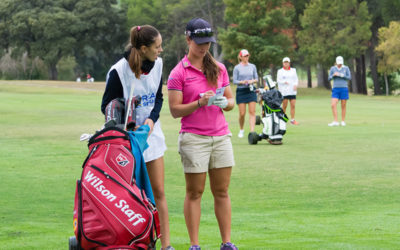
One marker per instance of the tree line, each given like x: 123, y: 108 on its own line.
x: 58, y: 39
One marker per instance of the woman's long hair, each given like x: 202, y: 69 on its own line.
x: 140, y: 35
x: 239, y: 58
x: 211, y: 69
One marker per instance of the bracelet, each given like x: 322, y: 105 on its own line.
x: 198, y: 103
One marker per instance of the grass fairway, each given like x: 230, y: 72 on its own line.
x: 324, y: 188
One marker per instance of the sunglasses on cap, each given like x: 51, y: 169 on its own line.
x: 207, y: 32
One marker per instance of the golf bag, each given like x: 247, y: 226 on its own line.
x: 110, y: 211
x: 274, y: 119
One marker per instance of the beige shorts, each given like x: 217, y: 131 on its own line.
x: 199, y: 153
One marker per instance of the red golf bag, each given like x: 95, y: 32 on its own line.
x: 110, y: 211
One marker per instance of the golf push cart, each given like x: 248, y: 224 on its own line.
x: 272, y: 116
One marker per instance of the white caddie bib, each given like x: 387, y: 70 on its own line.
x: 146, y: 87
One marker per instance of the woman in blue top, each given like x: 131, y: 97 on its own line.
x: 244, y: 75
x: 341, y: 75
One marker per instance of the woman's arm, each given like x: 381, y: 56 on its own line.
x: 347, y: 75
x: 331, y: 72
x: 296, y: 79
x: 155, y: 112
x: 113, y: 89
x: 231, y: 101
x: 236, y: 76
x: 255, y: 74
x: 178, y: 109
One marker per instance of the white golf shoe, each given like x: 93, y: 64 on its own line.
x: 333, y: 124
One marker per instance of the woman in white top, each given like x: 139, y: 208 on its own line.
x: 287, y: 83
x: 142, y: 68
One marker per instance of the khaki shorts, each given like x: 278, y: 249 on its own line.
x: 199, y: 153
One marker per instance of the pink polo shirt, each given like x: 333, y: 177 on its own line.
x: 206, y: 120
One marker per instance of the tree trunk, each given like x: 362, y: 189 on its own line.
x: 272, y: 71
x: 386, y: 84
x: 363, y: 76
x: 260, y: 82
x: 53, y: 74
x: 327, y: 84
x: 374, y: 70
x: 309, y: 79
x: 353, y: 81
x: 372, y: 59
x: 322, y: 77
x: 358, y: 90
x: 361, y: 82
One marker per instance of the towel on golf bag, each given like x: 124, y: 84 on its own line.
x: 110, y: 210
x: 273, y: 98
x: 138, y: 140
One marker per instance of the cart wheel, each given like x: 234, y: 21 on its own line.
x: 73, y: 243
x: 258, y: 120
x: 253, y: 138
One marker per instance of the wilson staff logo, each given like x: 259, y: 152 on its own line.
x: 122, y: 160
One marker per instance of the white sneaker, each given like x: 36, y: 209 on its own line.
x: 343, y: 123
x: 332, y: 124
x: 241, y: 134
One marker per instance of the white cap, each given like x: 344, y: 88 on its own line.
x: 286, y: 59
x: 244, y: 52
x: 339, y: 60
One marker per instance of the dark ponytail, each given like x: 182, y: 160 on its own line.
x: 211, y: 69
x: 139, y: 36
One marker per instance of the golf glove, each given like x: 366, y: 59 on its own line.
x: 221, y: 102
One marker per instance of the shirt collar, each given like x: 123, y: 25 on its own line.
x: 185, y: 62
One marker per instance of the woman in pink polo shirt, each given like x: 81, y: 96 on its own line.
x: 199, y: 92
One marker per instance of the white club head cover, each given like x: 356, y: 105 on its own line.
x: 85, y: 137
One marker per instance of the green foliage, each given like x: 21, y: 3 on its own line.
x: 393, y: 83
x: 389, y: 48
x: 390, y: 10
x: 51, y: 30
x: 140, y: 12
x: 43, y: 29
x: 332, y: 28
x: 66, y: 69
x: 103, y: 35
x: 388, y: 51
x: 262, y: 27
